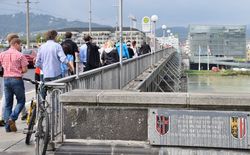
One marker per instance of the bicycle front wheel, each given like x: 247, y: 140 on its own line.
x: 31, y: 126
x: 42, y: 136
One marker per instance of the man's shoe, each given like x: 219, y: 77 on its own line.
x: 24, y: 117
x: 7, y: 127
x: 2, y: 123
x: 12, y: 125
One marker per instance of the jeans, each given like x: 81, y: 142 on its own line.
x: 2, y: 106
x: 13, y: 86
x: 43, y: 91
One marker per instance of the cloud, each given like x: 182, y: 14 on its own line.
x: 171, y: 13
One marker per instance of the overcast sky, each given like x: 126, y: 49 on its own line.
x: 170, y: 12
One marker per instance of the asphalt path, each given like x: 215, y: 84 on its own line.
x: 28, y: 86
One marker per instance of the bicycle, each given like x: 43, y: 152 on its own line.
x: 30, y: 121
x: 39, y: 109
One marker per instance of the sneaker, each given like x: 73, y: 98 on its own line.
x: 2, y: 123
x: 24, y: 117
x: 12, y: 125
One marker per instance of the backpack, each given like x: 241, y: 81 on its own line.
x: 111, y: 57
x: 93, y: 57
x: 67, y: 48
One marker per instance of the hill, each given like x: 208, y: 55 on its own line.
x: 38, y: 22
x: 41, y: 22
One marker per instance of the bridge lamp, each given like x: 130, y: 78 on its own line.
x: 164, y: 27
x: 154, y: 19
x: 168, y: 31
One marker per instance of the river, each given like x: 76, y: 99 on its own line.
x: 218, y: 84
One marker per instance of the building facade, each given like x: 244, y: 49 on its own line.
x: 101, y: 35
x: 219, y: 41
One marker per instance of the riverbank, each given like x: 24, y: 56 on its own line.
x: 220, y: 73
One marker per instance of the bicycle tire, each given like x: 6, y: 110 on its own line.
x: 31, y: 126
x: 42, y: 137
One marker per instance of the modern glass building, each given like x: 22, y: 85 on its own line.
x: 219, y: 41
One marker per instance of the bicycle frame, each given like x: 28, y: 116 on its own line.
x: 43, y: 109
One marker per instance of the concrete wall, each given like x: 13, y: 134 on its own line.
x: 125, y: 115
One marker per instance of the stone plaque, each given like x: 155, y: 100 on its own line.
x: 221, y: 129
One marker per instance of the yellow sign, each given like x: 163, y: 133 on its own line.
x: 146, y: 20
x: 146, y: 26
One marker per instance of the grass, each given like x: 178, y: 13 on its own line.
x: 221, y: 73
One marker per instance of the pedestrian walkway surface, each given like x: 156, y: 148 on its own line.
x: 13, y: 143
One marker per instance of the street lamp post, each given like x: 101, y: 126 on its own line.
x: 90, y: 17
x: 116, y: 5
x: 121, y: 39
x: 28, y: 23
x: 168, y: 32
x: 133, y: 19
x: 154, y: 18
x: 164, y: 27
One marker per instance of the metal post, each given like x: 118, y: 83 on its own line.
x: 164, y: 33
x: 131, y: 25
x: 154, y: 24
x: 151, y: 57
x: 116, y: 18
x: 90, y: 17
x: 77, y: 65
x: 132, y: 20
x: 28, y: 23
x: 121, y: 41
x: 208, y: 53
x: 154, y: 37
x: 199, y: 67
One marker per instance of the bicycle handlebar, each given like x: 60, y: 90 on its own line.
x: 47, y: 84
x: 31, y: 81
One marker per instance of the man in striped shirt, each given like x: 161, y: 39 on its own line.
x: 14, y: 64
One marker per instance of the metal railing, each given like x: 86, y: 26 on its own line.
x: 165, y: 77
x: 107, y: 77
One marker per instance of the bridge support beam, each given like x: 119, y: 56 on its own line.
x: 165, y: 77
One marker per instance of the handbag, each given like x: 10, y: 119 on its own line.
x: 1, y: 71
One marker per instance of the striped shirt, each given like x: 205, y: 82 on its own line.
x: 12, y: 62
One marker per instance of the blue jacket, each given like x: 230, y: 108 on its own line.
x: 125, y: 53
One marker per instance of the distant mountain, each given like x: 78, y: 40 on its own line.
x: 38, y: 22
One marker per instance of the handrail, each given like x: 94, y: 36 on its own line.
x: 131, y: 69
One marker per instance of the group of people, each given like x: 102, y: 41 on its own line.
x: 54, y: 61
x: 91, y: 56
